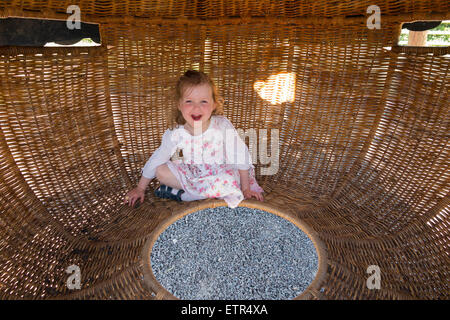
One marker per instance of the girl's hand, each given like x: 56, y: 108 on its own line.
x: 249, y: 193
x: 133, y: 195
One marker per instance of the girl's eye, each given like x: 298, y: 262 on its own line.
x: 188, y: 101
x: 204, y: 101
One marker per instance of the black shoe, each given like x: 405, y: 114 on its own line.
x: 165, y: 192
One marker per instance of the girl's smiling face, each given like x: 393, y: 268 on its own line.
x: 196, y: 106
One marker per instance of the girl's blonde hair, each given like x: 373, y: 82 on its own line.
x: 189, y: 79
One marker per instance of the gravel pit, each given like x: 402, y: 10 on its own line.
x: 234, y: 254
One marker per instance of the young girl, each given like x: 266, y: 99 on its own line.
x: 216, y: 162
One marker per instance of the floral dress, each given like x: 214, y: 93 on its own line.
x: 210, y: 163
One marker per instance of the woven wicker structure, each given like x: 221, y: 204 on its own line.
x: 364, y: 156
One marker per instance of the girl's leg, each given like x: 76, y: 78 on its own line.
x: 165, y: 176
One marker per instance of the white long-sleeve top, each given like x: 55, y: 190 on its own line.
x: 219, y: 144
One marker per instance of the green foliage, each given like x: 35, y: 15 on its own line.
x: 442, y: 37
x: 444, y: 26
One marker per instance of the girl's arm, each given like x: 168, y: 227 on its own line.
x: 159, y: 157
x: 245, y: 180
x: 245, y: 186
x: 236, y: 151
x: 143, y: 183
x: 137, y: 193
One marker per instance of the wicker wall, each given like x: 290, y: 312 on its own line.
x: 364, y: 144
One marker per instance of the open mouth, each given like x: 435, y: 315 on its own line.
x: 196, y: 117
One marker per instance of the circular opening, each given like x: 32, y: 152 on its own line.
x: 221, y: 253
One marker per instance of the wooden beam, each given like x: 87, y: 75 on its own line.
x: 417, y: 38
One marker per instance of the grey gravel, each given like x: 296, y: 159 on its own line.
x: 241, y: 254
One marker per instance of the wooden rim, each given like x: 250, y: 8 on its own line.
x: 162, y: 293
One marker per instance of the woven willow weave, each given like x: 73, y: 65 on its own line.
x: 363, y: 151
